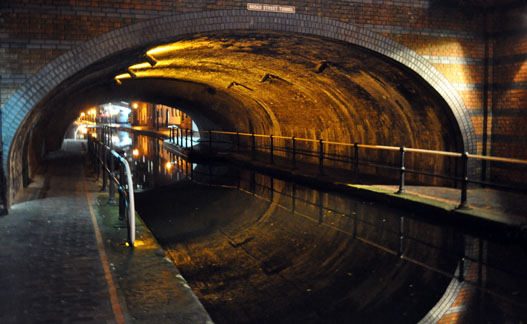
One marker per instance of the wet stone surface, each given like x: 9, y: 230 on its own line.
x: 50, y: 269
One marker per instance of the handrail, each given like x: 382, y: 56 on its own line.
x: 126, y: 199
x: 318, y: 150
x: 131, y: 198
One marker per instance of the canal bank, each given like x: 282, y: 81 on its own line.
x: 64, y: 260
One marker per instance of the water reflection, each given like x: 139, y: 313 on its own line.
x: 261, y: 250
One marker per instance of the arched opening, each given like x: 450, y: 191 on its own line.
x: 260, y: 95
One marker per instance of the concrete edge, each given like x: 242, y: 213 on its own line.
x: 154, y: 251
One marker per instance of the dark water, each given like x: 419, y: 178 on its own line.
x: 256, y: 249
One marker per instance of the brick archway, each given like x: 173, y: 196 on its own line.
x: 166, y: 28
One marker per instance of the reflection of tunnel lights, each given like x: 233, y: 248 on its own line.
x: 94, y: 135
x: 83, y: 130
x: 135, y: 152
x: 168, y: 165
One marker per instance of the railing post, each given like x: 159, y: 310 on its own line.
x: 402, y: 168
x: 321, y: 156
x: 356, y: 147
x: 111, y: 189
x: 210, y: 141
x: 97, y: 158
x: 293, y: 158
x: 186, y: 137
x: 271, y: 149
x: 191, y: 139
x: 177, y: 136
x: 104, y: 175
x: 253, y: 145
x: 464, y: 182
x: 121, y: 194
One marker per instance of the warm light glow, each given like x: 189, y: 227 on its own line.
x: 144, y: 65
x: 168, y: 48
x: 94, y: 135
x: 144, y: 244
x: 83, y: 129
x: 168, y: 165
x: 135, y: 152
x: 135, y: 105
x: 83, y: 114
x: 123, y: 76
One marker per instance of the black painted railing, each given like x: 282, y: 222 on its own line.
x: 321, y: 151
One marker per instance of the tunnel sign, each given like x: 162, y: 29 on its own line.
x: 270, y: 8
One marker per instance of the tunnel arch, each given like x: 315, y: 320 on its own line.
x: 22, y: 104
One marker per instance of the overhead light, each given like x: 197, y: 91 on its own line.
x: 168, y: 48
x: 144, y: 65
x: 152, y: 60
x: 119, y: 77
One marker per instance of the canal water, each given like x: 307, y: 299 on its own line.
x: 256, y: 249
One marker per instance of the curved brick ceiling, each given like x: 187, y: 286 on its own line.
x: 280, y: 84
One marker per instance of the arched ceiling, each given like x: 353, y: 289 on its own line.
x: 276, y: 83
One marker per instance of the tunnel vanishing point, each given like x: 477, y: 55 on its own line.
x: 441, y: 75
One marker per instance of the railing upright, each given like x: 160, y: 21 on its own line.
x: 238, y: 141
x: 121, y: 197
x: 356, y: 162
x: 293, y: 158
x: 321, y: 156
x: 191, y: 139
x: 402, y: 171
x: 464, y: 182
x: 253, y: 145
x: 271, y: 149
x: 104, y: 175
x: 111, y: 189
x: 108, y: 175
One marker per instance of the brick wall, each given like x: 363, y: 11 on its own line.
x: 508, y: 99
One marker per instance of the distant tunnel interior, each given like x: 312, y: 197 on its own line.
x: 259, y: 82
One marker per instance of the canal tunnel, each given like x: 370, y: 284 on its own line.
x: 255, y: 82
x: 390, y: 73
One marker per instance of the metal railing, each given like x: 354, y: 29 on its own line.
x: 322, y: 151
x: 113, y: 178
